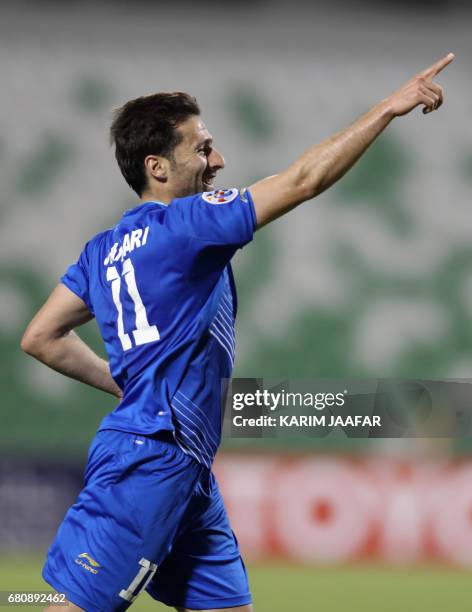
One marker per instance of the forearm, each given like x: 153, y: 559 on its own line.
x: 319, y: 167
x: 325, y: 163
x: 69, y: 355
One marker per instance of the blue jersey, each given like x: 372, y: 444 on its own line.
x: 161, y: 288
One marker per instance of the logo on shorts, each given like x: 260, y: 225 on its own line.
x: 92, y: 562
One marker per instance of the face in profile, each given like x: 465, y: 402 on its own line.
x: 195, y: 161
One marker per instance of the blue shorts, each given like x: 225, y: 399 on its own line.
x: 148, y: 518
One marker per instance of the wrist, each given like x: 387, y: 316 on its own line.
x: 387, y: 109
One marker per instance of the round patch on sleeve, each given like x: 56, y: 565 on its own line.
x: 220, y: 196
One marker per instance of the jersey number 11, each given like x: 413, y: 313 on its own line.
x: 144, y: 332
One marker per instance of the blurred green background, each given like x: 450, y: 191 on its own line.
x: 372, y: 279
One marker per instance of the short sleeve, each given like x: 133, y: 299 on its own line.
x: 224, y: 217
x: 76, y: 279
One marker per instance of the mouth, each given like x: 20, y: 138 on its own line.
x: 208, y: 182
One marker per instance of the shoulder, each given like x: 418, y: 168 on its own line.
x: 209, y: 204
x: 99, y: 237
x: 215, y: 198
x: 223, y: 216
x: 96, y: 240
x: 93, y: 246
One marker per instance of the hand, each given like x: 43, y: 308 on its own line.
x: 421, y: 89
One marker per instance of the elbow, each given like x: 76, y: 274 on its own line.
x: 32, y: 342
x: 28, y: 344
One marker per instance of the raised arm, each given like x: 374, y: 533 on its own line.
x: 325, y: 163
x: 51, y: 339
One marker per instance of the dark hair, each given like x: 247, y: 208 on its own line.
x: 146, y: 126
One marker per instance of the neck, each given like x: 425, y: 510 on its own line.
x: 158, y: 195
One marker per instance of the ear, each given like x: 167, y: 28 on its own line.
x: 157, y: 167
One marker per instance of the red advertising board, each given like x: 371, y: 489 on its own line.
x: 328, y: 510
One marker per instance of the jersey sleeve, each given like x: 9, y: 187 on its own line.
x: 76, y: 279
x: 223, y: 219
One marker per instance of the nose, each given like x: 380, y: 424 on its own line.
x: 216, y: 160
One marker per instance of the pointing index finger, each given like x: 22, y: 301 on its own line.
x: 436, y: 68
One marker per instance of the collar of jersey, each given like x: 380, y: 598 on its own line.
x: 149, y: 204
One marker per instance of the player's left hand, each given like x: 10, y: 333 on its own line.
x: 421, y: 89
